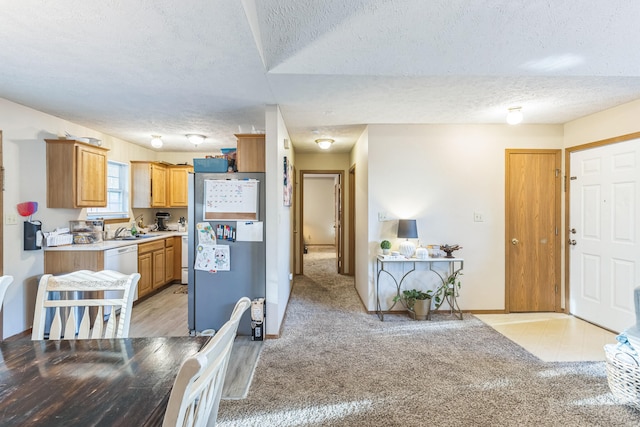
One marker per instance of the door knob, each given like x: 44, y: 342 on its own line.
x: 572, y: 242
x: 572, y: 231
x: 515, y: 241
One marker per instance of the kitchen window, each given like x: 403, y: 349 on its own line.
x: 117, y: 193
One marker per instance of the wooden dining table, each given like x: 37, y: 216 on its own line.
x: 107, y: 382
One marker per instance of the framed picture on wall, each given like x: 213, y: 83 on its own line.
x: 288, y: 182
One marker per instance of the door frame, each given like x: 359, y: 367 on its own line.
x: 352, y: 222
x: 557, y: 215
x: 341, y: 219
x: 567, y: 203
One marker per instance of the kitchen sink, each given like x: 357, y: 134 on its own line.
x: 136, y: 237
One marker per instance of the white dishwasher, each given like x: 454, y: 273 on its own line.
x: 124, y: 260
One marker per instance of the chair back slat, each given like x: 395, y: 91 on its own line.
x: 66, y: 295
x: 56, y: 325
x: 5, y: 281
x: 98, y: 325
x: 197, y: 389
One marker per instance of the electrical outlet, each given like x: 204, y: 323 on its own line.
x: 383, y: 216
x: 478, y: 217
x: 10, y: 219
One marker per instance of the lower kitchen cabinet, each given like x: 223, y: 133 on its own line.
x: 169, y: 256
x: 145, y: 268
x: 152, y: 266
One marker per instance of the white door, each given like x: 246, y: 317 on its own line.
x: 604, y: 234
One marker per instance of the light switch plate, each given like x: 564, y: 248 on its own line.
x: 11, y: 219
x: 478, y: 217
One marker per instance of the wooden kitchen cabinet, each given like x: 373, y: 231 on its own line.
x: 178, y: 188
x: 169, y: 256
x: 149, y: 184
x: 76, y: 174
x: 151, y: 266
x: 250, y: 152
x: 145, y: 268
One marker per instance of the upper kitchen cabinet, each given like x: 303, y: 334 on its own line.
x: 178, y: 190
x: 250, y: 152
x: 149, y: 184
x: 76, y: 174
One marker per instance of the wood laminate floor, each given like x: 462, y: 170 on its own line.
x: 165, y: 314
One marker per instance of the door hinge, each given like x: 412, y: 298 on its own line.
x: 556, y: 289
x: 557, y: 173
x: 556, y: 231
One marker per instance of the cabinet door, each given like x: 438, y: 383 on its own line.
x: 91, y: 177
x: 145, y: 269
x: 158, y: 186
x: 158, y: 268
x: 250, y: 153
x: 179, y: 186
x: 169, y: 253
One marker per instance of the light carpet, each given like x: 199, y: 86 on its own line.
x: 337, y: 365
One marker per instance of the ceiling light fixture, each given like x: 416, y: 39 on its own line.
x: 156, y: 141
x: 196, y: 139
x: 514, y: 116
x: 324, y: 143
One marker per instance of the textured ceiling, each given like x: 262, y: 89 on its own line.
x: 133, y: 69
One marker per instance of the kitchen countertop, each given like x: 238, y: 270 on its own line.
x: 111, y: 244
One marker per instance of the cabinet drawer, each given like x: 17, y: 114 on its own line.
x: 151, y: 246
x: 169, y: 242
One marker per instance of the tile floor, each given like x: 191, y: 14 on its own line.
x: 552, y: 337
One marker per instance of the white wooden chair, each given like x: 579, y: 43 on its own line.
x: 196, y: 392
x: 5, y: 281
x: 91, y: 305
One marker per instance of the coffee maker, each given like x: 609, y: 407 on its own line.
x: 161, y: 219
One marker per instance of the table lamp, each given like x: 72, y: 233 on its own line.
x: 407, y: 229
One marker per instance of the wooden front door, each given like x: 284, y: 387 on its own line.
x: 532, y: 230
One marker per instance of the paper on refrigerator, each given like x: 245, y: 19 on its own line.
x: 209, y: 255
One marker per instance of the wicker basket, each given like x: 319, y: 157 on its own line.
x: 624, y: 380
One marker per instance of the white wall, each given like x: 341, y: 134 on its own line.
x: 440, y: 175
x: 611, y: 123
x: 24, y: 159
x: 278, y: 222
x: 359, y: 159
x: 319, y: 210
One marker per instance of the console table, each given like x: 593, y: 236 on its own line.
x: 454, y: 265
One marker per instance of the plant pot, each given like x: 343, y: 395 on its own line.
x: 422, y: 309
x: 385, y: 251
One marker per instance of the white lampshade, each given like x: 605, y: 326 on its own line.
x: 156, y: 141
x: 196, y: 139
x: 324, y: 143
x: 514, y: 116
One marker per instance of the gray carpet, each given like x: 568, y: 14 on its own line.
x: 336, y: 365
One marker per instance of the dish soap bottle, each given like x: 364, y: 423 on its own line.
x: 134, y: 230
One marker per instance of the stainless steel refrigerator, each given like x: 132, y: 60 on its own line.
x: 212, y: 295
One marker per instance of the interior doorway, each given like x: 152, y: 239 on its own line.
x: 322, y: 198
x: 532, y: 231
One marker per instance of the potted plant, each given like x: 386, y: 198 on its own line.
x: 449, y: 287
x: 417, y: 302
x: 385, y: 245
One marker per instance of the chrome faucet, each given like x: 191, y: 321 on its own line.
x: 119, y: 231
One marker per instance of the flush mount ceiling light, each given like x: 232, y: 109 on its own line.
x: 324, y: 143
x: 514, y: 115
x: 196, y: 139
x: 156, y: 141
